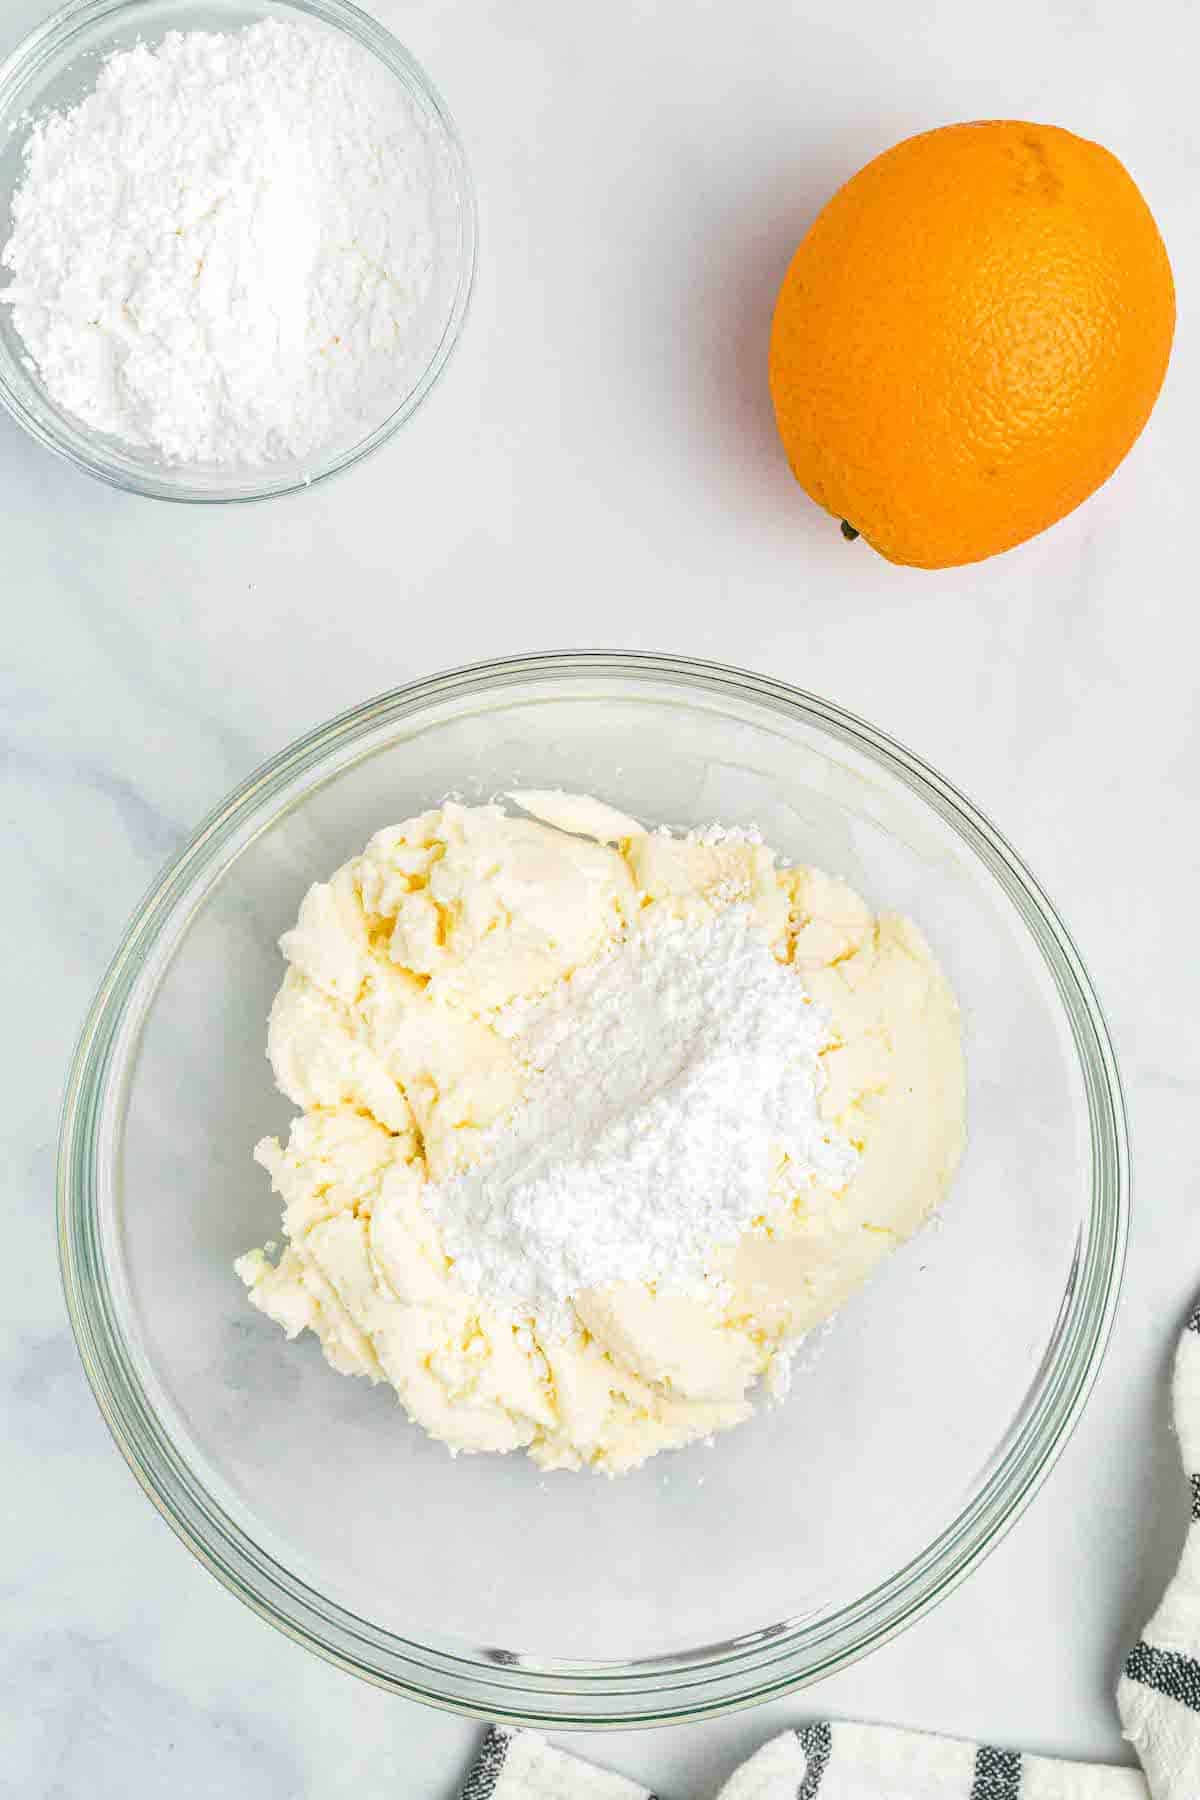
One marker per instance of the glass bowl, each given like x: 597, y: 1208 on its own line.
x: 54, y: 68
x: 714, y: 1576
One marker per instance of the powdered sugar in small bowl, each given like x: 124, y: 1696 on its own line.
x: 243, y: 263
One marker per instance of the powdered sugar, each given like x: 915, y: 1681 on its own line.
x: 672, y: 1105
x: 221, y: 251
x: 712, y: 835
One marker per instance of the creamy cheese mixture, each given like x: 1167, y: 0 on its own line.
x: 401, y: 1030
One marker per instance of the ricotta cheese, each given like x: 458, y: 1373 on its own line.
x: 432, y: 983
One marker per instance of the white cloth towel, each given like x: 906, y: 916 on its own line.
x: 1159, y: 1692
x: 1158, y: 1699
x: 817, y: 1762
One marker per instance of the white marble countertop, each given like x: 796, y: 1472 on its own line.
x: 599, y: 468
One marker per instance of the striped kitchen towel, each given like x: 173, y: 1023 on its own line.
x: 1158, y: 1699
x: 818, y: 1762
x: 1159, y: 1694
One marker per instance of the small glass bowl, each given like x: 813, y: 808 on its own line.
x: 714, y: 1576
x: 54, y: 68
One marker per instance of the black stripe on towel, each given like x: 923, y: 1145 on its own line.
x: 1193, y: 1323
x: 997, y: 1774
x: 1178, y: 1677
x: 484, y: 1777
x: 816, y: 1741
x: 1196, y: 1496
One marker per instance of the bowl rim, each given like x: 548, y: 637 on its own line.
x: 498, y: 1684
x: 75, y: 442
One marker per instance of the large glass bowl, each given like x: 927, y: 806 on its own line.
x: 714, y: 1576
x: 55, y: 67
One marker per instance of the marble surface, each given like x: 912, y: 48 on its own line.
x: 599, y: 468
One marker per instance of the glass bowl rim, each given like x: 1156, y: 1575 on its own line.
x: 695, y: 1683
x: 76, y: 443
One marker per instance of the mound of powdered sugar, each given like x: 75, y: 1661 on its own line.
x: 220, y: 253
x: 666, y: 1080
